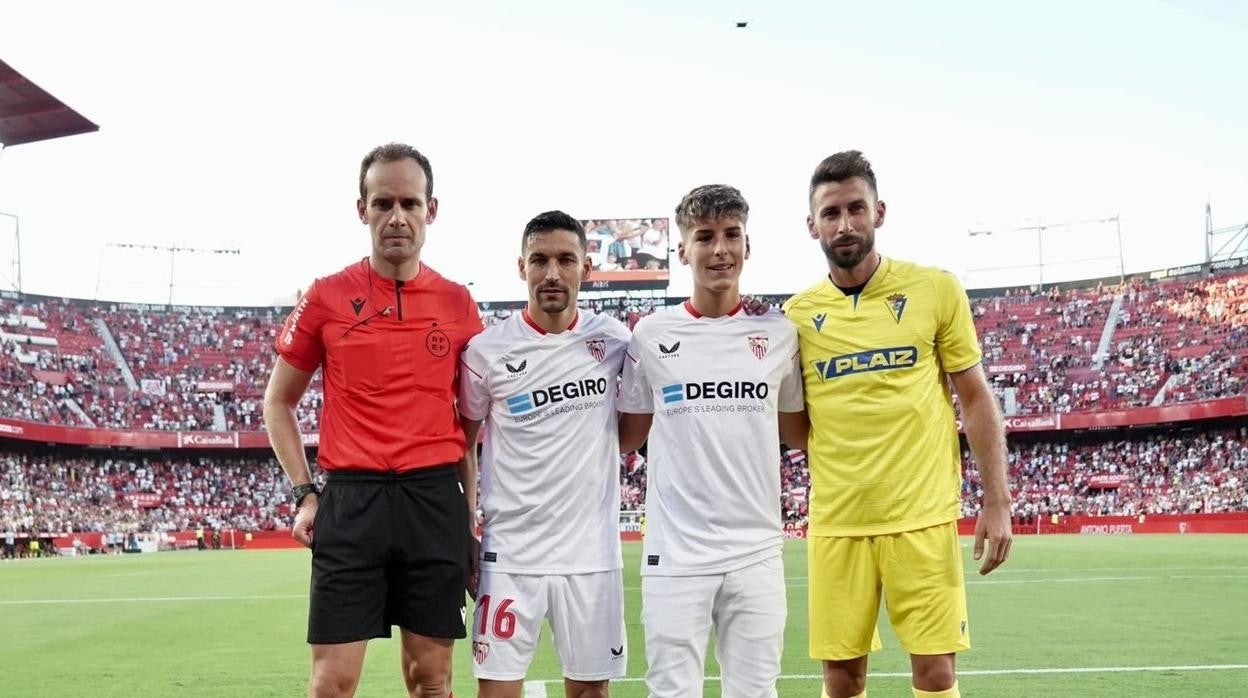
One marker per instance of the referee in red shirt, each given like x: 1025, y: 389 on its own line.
x: 390, y: 534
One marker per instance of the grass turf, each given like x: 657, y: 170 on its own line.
x: 231, y: 623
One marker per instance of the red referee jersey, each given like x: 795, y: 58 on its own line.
x: 389, y: 351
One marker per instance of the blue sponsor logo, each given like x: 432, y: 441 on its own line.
x: 714, y: 390
x: 527, y: 402
x: 865, y: 362
x: 673, y: 393
x: 519, y: 403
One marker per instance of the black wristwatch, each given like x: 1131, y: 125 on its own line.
x: 301, y: 491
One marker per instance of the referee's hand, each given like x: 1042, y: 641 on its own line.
x: 302, y: 530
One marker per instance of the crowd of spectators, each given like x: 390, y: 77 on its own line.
x: 1194, y: 332
x: 1041, y: 346
x: 51, y: 358
x: 794, y: 489
x: 50, y: 493
x: 201, y: 369
x: 794, y: 486
x: 54, y: 493
x: 1185, y: 336
x: 1166, y: 472
x: 198, y: 369
x: 1169, y: 472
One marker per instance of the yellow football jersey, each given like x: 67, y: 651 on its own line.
x: 883, y: 449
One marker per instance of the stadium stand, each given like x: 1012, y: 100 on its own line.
x: 1168, y: 471
x: 1172, y: 471
x: 204, y: 369
x: 1167, y: 342
x: 1069, y: 351
x: 56, y: 491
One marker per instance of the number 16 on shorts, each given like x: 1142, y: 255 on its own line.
x: 504, y: 625
x: 495, y: 647
x: 586, y: 613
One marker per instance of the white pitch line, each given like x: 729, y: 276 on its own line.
x: 1183, y: 568
x: 140, y: 599
x: 1075, y: 580
x: 535, y: 689
x: 989, y: 672
x: 801, y: 582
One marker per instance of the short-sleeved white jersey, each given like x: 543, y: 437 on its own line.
x: 715, y: 387
x: 550, y: 464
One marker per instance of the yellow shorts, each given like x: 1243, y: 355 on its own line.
x: 919, y: 574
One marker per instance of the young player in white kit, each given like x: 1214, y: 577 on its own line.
x: 711, y: 386
x: 544, y: 382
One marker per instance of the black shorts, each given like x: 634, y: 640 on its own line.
x: 389, y: 549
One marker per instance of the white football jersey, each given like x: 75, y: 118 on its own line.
x: 550, y: 464
x: 715, y: 387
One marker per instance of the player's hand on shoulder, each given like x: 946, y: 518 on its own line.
x: 755, y: 305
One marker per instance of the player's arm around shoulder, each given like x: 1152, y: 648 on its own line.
x: 473, y: 406
x: 800, y: 303
x: 795, y: 429
x: 617, y: 329
x: 467, y: 468
x: 787, y: 306
x: 985, y: 432
x: 473, y: 375
x: 634, y: 430
x: 794, y: 424
x: 617, y: 335
x: 472, y: 312
x: 635, y: 402
x: 473, y: 401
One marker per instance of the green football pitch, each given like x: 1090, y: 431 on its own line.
x: 1085, y: 616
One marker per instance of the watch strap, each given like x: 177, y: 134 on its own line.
x: 302, y: 491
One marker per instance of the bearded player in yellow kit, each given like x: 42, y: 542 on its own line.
x: 881, y: 342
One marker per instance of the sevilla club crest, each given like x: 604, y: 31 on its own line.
x: 758, y: 346
x: 480, y: 650
x: 597, y: 348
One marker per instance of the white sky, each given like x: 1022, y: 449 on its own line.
x: 241, y: 124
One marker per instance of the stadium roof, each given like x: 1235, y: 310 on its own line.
x: 28, y: 113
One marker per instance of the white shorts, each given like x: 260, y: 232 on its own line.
x: 747, y: 608
x: 586, y: 613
